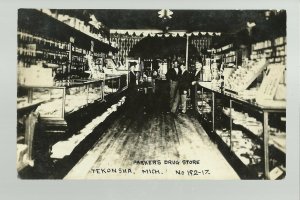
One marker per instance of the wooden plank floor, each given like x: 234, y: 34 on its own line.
x: 157, y: 137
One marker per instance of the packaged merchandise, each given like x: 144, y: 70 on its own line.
x: 242, y: 77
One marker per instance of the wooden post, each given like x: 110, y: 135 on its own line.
x: 187, y: 51
x: 72, y: 40
x: 70, y: 59
x: 230, y: 130
x: 266, y: 145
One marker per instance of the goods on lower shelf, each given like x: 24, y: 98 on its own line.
x: 244, y: 148
x: 278, y: 139
x: 108, y: 90
x: 242, y: 77
x: 202, y: 103
x: 52, y: 108
x: 225, y: 136
x: 75, y: 102
x: 65, y: 148
x: 203, y: 107
x: 245, y: 120
x: 38, y: 97
x: 93, y: 97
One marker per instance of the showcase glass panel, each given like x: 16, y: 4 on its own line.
x: 95, y: 92
x: 247, y: 137
x: 222, y: 126
x: 76, y: 98
x: 204, y: 105
x: 277, y: 148
x: 53, y: 106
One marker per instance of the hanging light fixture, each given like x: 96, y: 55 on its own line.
x: 268, y: 14
x: 165, y: 14
x: 250, y: 25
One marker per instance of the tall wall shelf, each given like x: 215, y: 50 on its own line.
x: 226, y: 54
x: 43, y: 41
x: 58, y: 108
x: 48, y: 26
x: 274, y: 50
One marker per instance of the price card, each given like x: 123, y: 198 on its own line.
x: 270, y: 83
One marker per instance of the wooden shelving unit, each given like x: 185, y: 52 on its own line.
x: 274, y: 50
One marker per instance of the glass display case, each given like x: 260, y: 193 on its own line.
x: 34, y: 103
x: 247, y: 136
x: 204, y: 102
x: 82, y: 93
x: 58, y: 111
x: 222, y: 126
x: 251, y: 134
x: 277, y: 144
x: 66, y: 97
x: 111, y: 84
x: 115, y: 83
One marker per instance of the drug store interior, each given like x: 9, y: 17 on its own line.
x: 94, y: 92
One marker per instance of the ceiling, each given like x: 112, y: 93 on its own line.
x: 226, y: 21
x: 229, y: 22
x: 191, y: 20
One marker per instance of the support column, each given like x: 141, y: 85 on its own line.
x: 266, y: 145
x: 187, y: 52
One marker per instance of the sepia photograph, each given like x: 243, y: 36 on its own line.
x: 151, y: 94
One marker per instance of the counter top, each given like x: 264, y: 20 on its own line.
x: 269, y: 105
x: 72, y: 83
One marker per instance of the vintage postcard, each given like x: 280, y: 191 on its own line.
x: 151, y: 94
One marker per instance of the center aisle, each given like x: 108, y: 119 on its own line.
x: 158, y: 137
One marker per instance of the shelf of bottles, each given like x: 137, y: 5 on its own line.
x: 230, y: 57
x: 35, y: 48
x: 78, y: 62
x: 225, y: 53
x: 274, y: 50
x: 90, y: 30
x: 64, y: 58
